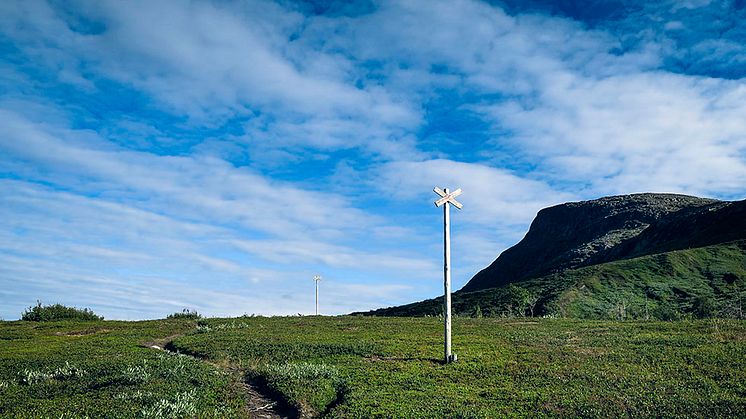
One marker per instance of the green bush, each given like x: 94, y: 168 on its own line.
x: 704, y: 306
x: 40, y: 313
x: 185, y: 314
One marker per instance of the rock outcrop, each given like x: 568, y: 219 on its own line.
x: 577, y: 234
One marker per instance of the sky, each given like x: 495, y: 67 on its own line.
x: 215, y: 156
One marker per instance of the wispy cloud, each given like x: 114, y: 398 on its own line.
x: 658, y: 132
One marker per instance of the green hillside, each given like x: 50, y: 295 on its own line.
x: 694, y: 283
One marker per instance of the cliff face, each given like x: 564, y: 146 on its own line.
x: 577, y: 234
x: 690, y: 227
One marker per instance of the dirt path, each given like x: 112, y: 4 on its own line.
x: 258, y: 405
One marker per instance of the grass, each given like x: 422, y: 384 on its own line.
x: 390, y: 367
x: 100, y: 369
x: 353, y: 366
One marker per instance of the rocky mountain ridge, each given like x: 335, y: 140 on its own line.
x: 577, y: 234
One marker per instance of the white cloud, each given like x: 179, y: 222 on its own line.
x: 298, y: 251
x: 215, y: 62
x: 193, y: 187
x: 492, y: 196
x: 641, y: 132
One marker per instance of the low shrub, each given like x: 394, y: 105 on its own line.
x: 30, y: 377
x: 175, y: 366
x: 185, y: 314
x: 64, y: 372
x: 182, y: 405
x: 41, y: 313
x: 136, y: 374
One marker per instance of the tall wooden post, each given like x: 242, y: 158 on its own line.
x: 447, y: 277
x: 447, y: 199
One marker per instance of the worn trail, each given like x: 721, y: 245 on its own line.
x: 258, y: 405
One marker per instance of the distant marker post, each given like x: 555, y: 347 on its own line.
x: 316, y: 279
x: 446, y: 199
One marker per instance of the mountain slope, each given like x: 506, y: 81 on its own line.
x: 569, y: 235
x: 701, y: 282
x: 578, y: 234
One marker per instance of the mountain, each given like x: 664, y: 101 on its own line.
x: 576, y: 234
x: 592, y: 258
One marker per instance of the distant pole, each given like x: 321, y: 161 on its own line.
x: 316, y: 279
x: 446, y: 199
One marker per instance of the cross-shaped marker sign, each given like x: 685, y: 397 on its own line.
x: 447, y: 197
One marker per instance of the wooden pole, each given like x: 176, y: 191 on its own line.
x: 447, y: 198
x: 447, y: 278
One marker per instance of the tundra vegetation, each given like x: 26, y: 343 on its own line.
x: 185, y: 314
x: 42, y: 313
x: 355, y: 366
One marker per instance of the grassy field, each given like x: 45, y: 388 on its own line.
x: 376, y: 367
x: 78, y: 369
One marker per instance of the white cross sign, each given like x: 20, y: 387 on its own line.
x: 447, y: 197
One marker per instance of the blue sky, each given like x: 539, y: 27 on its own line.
x: 156, y: 156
